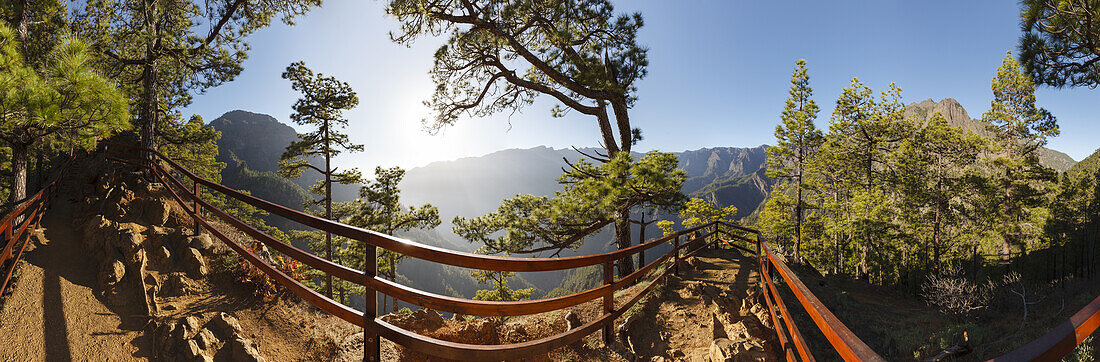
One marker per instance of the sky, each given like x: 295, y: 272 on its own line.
x: 718, y: 75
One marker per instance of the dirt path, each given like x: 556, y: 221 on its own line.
x: 54, y: 314
x: 682, y: 325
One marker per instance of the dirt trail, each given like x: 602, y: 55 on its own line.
x: 682, y: 325
x: 54, y: 314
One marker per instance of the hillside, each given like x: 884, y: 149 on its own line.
x: 957, y: 117
x: 1087, y: 166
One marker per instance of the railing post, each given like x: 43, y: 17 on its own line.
x: 371, y: 343
x: 608, y: 301
x: 676, y: 256
x: 198, y: 211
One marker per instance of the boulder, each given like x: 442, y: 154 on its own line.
x: 156, y: 211
x: 420, y: 320
x: 162, y: 255
x: 244, y: 350
x: 194, y: 263
x: 127, y: 240
x: 111, y: 272
x: 176, y: 285
x: 201, y: 242
x: 192, y: 349
x: 206, y: 339
x: 722, y: 349
x: 225, y: 325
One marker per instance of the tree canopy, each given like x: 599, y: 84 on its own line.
x: 65, y: 100
x: 1060, y: 45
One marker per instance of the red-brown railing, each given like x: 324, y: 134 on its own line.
x: 22, y: 216
x: 847, y: 345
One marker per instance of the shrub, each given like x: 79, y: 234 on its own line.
x: 956, y: 295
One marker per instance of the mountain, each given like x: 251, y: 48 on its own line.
x: 1087, y: 166
x: 251, y: 144
x: 258, y: 140
x: 957, y: 117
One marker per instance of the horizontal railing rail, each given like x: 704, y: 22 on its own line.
x: 686, y: 243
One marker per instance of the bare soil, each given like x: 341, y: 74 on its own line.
x: 54, y: 312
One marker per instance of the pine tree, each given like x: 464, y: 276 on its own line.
x: 379, y: 208
x: 1059, y: 42
x: 1015, y: 183
x: 797, y: 138
x: 932, y: 173
x: 501, y: 54
x: 65, y: 100
x: 321, y: 106
x: 162, y: 52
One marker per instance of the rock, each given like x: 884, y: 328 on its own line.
x: 206, y: 339
x: 722, y: 349
x: 176, y: 285
x: 153, y: 283
x: 194, y: 263
x: 244, y: 350
x: 156, y: 212
x: 192, y: 349
x: 572, y: 320
x: 420, y: 320
x: 201, y: 242
x: 127, y: 240
x: 163, y: 335
x: 111, y: 272
x: 225, y: 324
x: 162, y: 255
x: 479, y: 331
x: 717, y: 328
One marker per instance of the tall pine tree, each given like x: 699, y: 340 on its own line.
x: 797, y: 138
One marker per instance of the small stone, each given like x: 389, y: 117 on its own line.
x: 201, y: 242
x: 195, y: 264
x: 572, y: 320
x: 722, y: 349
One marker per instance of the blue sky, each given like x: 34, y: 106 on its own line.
x: 718, y: 75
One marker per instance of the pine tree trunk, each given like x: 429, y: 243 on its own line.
x: 798, y: 223
x: 18, y: 171
x: 622, y: 237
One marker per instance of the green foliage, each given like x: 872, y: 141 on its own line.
x: 1058, y: 45
x: 379, y: 208
x: 797, y: 139
x: 591, y: 195
x: 1015, y: 182
x: 500, y: 54
x: 160, y: 53
x: 501, y: 292
x: 323, y: 101
x: 64, y: 101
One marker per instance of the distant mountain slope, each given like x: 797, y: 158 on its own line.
x: 1087, y: 166
x: 258, y: 140
x: 957, y: 117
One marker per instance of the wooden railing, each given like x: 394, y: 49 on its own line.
x: 686, y: 243
x: 14, y: 226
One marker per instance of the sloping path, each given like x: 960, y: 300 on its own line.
x: 54, y: 314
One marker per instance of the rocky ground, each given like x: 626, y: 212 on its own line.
x: 118, y: 273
